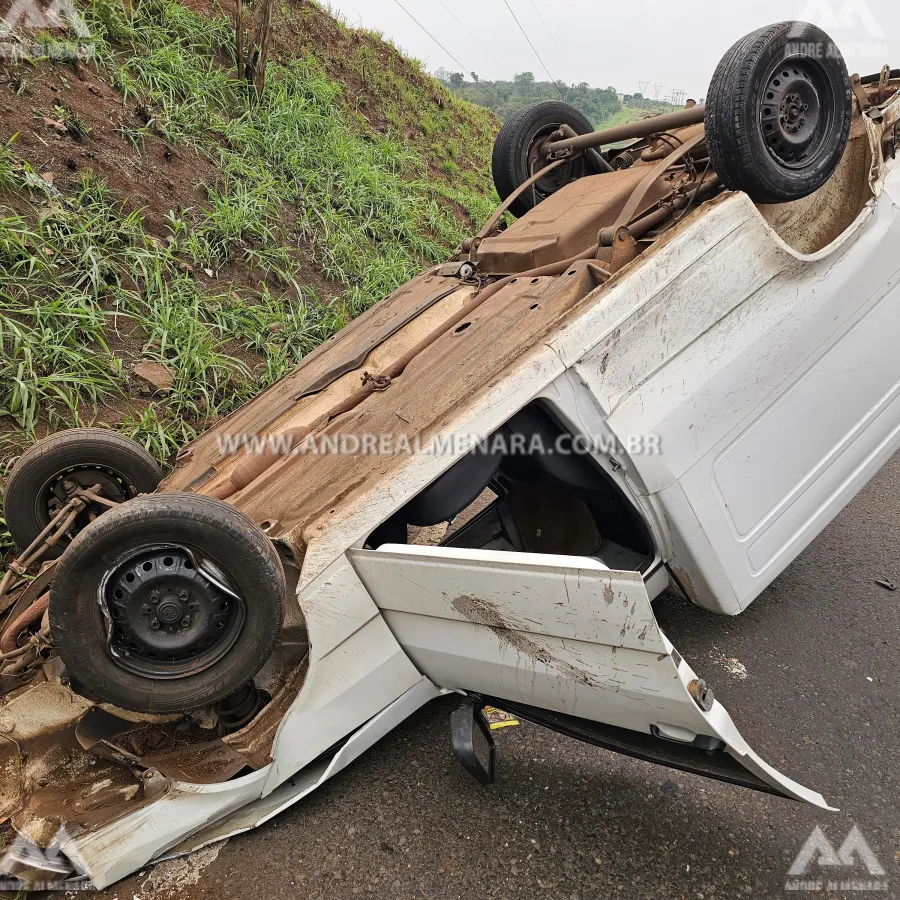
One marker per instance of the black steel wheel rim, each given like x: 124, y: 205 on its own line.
x: 57, y: 491
x: 796, y: 112
x: 168, y: 615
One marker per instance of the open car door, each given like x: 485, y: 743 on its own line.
x: 566, y: 642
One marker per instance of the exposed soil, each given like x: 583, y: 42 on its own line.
x: 158, y: 179
x: 162, y: 177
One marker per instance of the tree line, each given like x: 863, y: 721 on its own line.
x: 505, y: 98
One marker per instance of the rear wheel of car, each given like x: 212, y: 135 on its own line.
x: 517, y: 153
x: 44, y: 476
x: 778, y: 113
x: 167, y: 603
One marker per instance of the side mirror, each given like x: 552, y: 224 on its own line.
x: 470, y: 737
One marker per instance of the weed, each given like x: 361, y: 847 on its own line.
x: 8, y: 174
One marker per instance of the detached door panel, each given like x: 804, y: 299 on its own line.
x: 567, y: 641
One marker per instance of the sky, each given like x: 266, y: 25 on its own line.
x: 672, y: 43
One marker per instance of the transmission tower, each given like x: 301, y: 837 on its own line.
x: 656, y: 89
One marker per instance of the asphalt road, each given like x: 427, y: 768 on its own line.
x: 810, y: 675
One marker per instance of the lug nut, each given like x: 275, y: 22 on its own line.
x: 184, y: 595
x: 154, y: 623
x: 185, y: 622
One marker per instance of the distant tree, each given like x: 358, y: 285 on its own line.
x: 457, y: 79
x: 637, y: 96
x: 524, y: 78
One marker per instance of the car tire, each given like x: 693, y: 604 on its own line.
x: 778, y: 113
x: 515, y: 151
x: 188, y: 549
x: 121, y: 465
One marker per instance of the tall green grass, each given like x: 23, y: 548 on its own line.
x: 366, y: 202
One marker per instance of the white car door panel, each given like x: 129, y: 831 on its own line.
x: 774, y: 416
x: 565, y: 641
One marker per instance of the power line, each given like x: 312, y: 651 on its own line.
x: 430, y: 35
x: 445, y: 49
x: 475, y: 36
x: 552, y: 37
x: 538, y: 55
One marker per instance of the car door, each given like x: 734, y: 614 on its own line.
x: 771, y: 383
x: 566, y: 642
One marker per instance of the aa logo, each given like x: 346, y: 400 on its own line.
x: 834, y: 15
x: 818, y: 851
x: 29, y: 15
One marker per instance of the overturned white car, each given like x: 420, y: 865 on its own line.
x: 669, y: 374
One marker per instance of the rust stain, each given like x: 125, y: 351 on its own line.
x: 480, y: 612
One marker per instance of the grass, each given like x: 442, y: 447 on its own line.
x: 85, y: 286
x: 625, y: 115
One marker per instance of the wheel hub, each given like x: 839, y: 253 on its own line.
x: 792, y: 113
x: 170, y: 611
x: 537, y: 160
x: 59, y: 490
x: 167, y: 618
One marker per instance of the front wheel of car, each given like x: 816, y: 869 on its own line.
x: 167, y: 603
x: 778, y: 113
